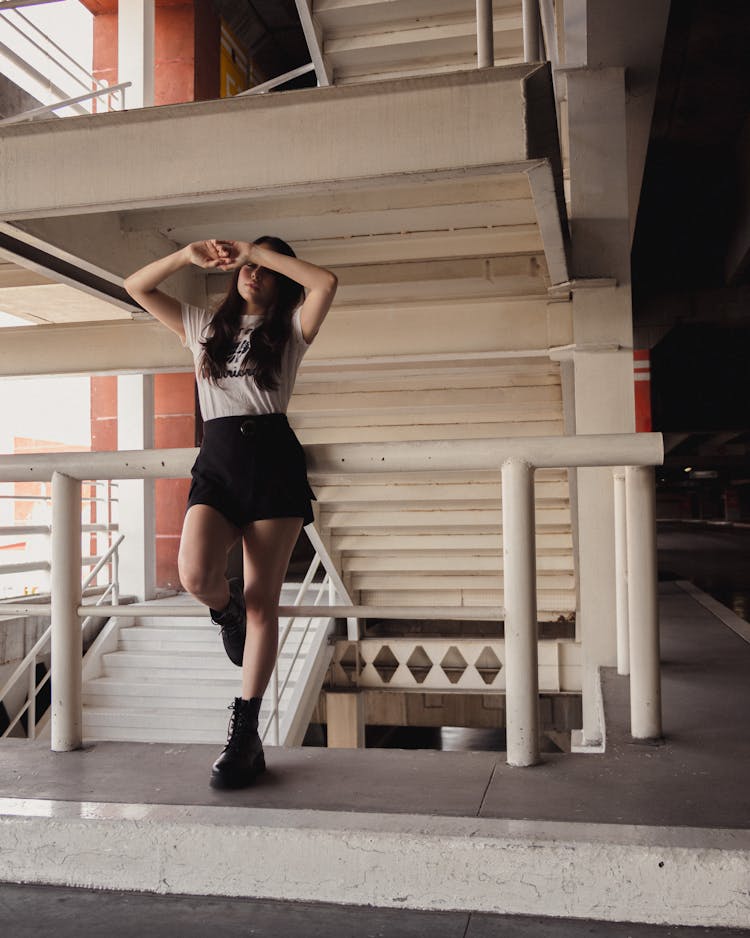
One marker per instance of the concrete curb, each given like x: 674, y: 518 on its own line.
x: 722, y: 612
x: 660, y: 875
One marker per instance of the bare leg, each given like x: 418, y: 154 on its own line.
x: 268, y: 545
x: 206, y: 539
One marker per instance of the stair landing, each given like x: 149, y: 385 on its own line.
x: 640, y: 833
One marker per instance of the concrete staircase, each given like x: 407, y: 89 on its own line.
x: 421, y: 538
x: 168, y: 679
x: 370, y: 41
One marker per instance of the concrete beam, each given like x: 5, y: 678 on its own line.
x: 123, y: 347
x: 130, y: 346
x: 95, y: 244
x: 170, y: 148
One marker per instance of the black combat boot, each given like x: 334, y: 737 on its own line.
x: 242, y: 758
x: 232, y: 621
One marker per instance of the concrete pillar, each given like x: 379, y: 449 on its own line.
x: 602, y: 360
x: 135, y: 50
x: 621, y: 574
x: 345, y: 716
x: 67, y: 643
x: 645, y: 675
x: 521, y: 631
x: 135, y: 430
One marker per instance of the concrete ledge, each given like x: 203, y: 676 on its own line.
x: 682, y: 876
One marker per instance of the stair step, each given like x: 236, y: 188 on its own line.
x: 339, y: 17
x: 136, y: 639
x: 139, y: 694
x: 133, y: 672
x: 162, y: 725
x: 112, y: 692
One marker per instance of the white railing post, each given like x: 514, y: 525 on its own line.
x: 519, y: 577
x: 621, y: 574
x: 67, y: 642
x: 645, y: 679
x: 531, y: 30
x: 485, y: 36
x: 31, y: 709
x: 275, y: 702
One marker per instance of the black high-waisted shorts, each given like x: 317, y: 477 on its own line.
x: 251, y: 467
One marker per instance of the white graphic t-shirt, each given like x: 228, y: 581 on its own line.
x: 236, y: 392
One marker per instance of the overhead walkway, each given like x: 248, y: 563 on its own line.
x: 661, y: 832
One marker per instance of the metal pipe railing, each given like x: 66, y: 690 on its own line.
x: 67, y: 102
x: 531, y: 31
x: 517, y: 457
x: 485, y: 36
x: 29, y: 663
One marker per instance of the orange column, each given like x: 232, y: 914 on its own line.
x: 642, y: 388
x: 187, y: 45
x: 174, y: 425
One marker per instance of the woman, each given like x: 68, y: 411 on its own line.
x: 249, y: 480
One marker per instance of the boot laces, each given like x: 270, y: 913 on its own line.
x: 240, y: 725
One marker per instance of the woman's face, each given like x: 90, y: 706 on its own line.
x: 257, y: 285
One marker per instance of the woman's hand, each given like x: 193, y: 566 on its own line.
x: 218, y: 255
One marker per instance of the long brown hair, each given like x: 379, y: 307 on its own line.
x: 268, y: 339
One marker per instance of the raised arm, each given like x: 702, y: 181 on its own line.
x: 142, y: 285
x: 320, y: 283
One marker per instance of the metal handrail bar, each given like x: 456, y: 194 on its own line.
x: 454, y: 613
x: 34, y: 688
x: 104, y: 559
x: 39, y: 111
x: 279, y: 80
x: 44, y: 51
x: 274, y: 715
x: 542, y: 452
x: 321, y: 590
x: 29, y: 661
x: 11, y: 530
x: 88, y: 76
x: 12, y: 4
x: 42, y: 603
x: 25, y: 566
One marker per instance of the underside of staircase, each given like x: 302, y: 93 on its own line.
x: 434, y: 190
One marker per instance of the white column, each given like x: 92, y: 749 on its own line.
x: 485, y: 37
x: 135, y: 50
x: 135, y: 430
x: 621, y: 574
x: 645, y: 677
x: 521, y: 632
x: 67, y: 643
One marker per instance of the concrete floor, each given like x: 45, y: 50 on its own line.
x: 691, y: 780
x: 28, y: 911
x: 714, y: 556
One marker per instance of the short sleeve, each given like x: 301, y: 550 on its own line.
x: 297, y: 330
x: 194, y: 320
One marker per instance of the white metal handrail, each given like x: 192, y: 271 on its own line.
x: 279, y: 80
x: 517, y: 458
x: 273, y: 718
x: 39, y: 530
x: 67, y: 102
x: 29, y: 663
